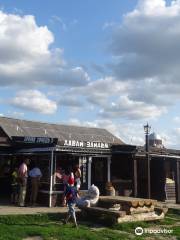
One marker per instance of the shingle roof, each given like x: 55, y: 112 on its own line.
x: 17, y: 127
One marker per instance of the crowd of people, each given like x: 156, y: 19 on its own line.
x: 19, y: 183
x: 71, y: 180
x: 30, y: 173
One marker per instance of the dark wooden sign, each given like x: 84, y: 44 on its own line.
x: 34, y: 140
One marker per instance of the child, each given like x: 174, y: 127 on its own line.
x: 14, y: 186
x: 70, y: 196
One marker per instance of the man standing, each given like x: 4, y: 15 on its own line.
x: 35, y: 175
x: 23, y: 175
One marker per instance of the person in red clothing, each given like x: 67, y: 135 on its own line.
x: 71, y: 196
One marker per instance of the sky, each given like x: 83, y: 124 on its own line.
x: 112, y: 64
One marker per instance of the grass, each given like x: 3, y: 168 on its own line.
x: 49, y: 227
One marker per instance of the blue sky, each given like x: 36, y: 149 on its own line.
x: 111, y: 64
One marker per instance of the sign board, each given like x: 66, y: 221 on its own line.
x: 35, y: 140
x: 74, y: 143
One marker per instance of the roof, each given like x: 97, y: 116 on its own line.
x: 159, y: 151
x: 154, y: 136
x: 20, y: 128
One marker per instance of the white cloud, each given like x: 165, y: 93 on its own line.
x: 129, y: 133
x: 55, y: 18
x: 117, y: 99
x: 15, y: 114
x: 132, y: 132
x: 34, y: 100
x: 145, y: 56
x: 149, y: 6
x: 171, y: 138
x: 128, y: 109
x: 145, y: 70
x: 27, y: 57
x: 177, y: 119
x: 149, y: 49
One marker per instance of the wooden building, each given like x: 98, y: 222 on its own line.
x: 102, y: 157
x: 53, y: 146
x: 129, y: 163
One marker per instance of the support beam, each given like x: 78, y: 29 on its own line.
x: 89, y: 171
x: 177, y: 181
x: 149, y: 174
x: 51, y: 178
x: 135, y: 176
x: 109, y: 169
x: 80, y: 161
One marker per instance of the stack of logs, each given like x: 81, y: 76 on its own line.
x: 127, y: 209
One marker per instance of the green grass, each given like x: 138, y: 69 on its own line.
x: 49, y: 227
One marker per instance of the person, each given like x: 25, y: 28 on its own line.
x: 14, y: 186
x: 71, y: 195
x: 110, y: 190
x: 23, y: 175
x: 77, y: 175
x: 35, y: 175
x: 63, y: 176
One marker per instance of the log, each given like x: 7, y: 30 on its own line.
x: 97, y: 211
x: 135, y: 210
x: 120, y: 216
x: 152, y: 216
x: 143, y: 209
x: 117, y: 199
x: 141, y: 203
x: 132, y: 202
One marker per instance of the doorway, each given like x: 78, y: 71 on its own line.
x: 99, y: 173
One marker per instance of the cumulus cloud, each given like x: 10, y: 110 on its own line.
x: 145, y: 56
x: 147, y: 42
x: 70, y: 100
x: 117, y: 99
x: 132, y: 110
x: 27, y: 56
x: 145, y: 67
x: 34, y: 100
x: 129, y: 133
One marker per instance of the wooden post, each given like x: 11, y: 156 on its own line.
x: 135, y: 177
x: 109, y: 169
x: 177, y: 181
x: 51, y: 178
x: 149, y: 174
x: 89, y: 171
